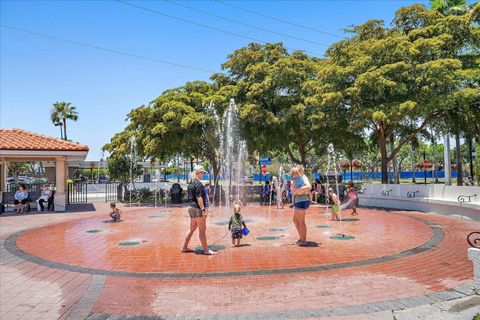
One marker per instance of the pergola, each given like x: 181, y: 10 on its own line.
x: 18, y: 145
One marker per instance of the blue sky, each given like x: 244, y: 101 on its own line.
x: 36, y: 71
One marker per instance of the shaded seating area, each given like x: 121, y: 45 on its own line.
x: 18, y: 145
x: 8, y: 199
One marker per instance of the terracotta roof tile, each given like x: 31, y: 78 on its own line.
x: 19, y: 139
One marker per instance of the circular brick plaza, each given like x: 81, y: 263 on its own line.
x: 394, y: 260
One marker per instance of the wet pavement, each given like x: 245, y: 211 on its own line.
x: 77, y: 266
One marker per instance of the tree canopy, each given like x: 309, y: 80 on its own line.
x: 178, y: 122
x: 382, y: 85
x: 398, y: 80
x: 280, y: 110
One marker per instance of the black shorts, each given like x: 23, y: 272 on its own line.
x: 237, y: 234
x: 21, y: 201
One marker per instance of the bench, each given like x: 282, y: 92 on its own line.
x: 33, y: 196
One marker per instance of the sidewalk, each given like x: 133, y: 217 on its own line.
x: 457, y: 309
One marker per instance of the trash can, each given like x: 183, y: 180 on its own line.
x: 176, y: 193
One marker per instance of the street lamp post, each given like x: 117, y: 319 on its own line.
x: 100, y: 166
x: 133, y: 151
x: 470, y: 147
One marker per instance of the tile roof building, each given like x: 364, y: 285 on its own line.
x: 18, y: 145
x: 19, y: 139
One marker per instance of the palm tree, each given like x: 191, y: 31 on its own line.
x: 448, y: 7
x: 62, y: 111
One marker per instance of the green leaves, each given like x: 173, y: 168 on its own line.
x: 385, y: 82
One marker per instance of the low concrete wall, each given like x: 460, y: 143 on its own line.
x: 428, y: 198
x: 474, y: 256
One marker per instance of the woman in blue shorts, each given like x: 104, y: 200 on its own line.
x: 301, y: 188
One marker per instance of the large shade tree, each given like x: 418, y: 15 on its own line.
x: 398, y: 80
x: 179, y: 122
x: 279, y: 109
x: 463, y: 118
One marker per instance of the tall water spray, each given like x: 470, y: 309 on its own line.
x: 233, y: 151
x: 231, y: 155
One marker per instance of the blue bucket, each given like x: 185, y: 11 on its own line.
x: 245, y: 231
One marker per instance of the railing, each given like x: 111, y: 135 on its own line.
x: 473, y: 239
x: 412, y: 194
x: 113, y: 192
x: 463, y: 198
x: 386, y: 193
x: 76, y: 192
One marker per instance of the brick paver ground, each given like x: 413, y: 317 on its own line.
x: 84, y: 274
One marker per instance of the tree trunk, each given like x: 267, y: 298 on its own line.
x: 177, y: 168
x: 351, y: 170
x: 459, y: 160
x: 399, y: 170
x: 65, y: 129
x: 383, y: 152
x: 394, y: 160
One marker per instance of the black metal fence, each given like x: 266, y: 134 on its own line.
x: 76, y: 192
x: 113, y: 192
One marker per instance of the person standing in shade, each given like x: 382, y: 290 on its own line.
x: 197, y: 198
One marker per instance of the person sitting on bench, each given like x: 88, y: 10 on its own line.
x: 44, y: 197
x: 21, y: 198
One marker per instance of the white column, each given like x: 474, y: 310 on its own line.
x: 447, y: 163
x: 60, y: 184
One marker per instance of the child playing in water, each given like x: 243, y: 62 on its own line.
x: 335, y: 204
x: 115, y: 214
x: 352, y: 198
x: 235, y: 225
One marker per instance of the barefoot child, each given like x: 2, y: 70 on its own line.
x: 352, y: 198
x: 235, y: 225
x: 335, y: 204
x: 115, y: 214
